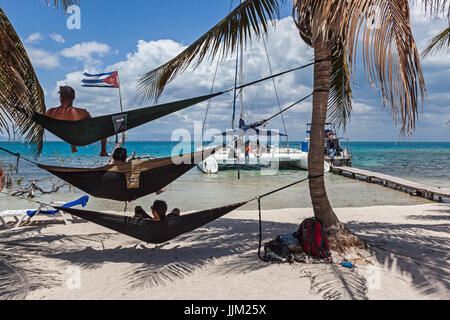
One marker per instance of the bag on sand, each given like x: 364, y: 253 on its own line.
x: 277, y: 251
x: 313, y: 239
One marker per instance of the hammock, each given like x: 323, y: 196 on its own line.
x: 161, y: 231
x: 154, y: 231
x: 131, y: 180
x: 88, y: 131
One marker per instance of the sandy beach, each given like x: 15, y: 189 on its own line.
x: 408, y: 259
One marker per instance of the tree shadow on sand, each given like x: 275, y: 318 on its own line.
x: 231, y: 245
x: 412, y: 249
x: 24, y: 263
x: 234, y: 242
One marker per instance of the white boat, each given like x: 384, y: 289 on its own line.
x: 252, y: 147
x: 269, y: 158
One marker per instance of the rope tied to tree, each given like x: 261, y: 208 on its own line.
x: 270, y: 193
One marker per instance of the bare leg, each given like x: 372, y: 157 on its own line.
x: 103, y: 152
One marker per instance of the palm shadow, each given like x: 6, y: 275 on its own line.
x: 413, y: 249
x: 33, y: 252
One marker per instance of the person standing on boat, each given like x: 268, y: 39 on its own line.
x: 66, y: 111
x: 332, y: 155
x: 2, y: 178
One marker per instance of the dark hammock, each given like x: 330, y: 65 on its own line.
x: 132, y: 180
x: 154, y: 231
x: 88, y: 131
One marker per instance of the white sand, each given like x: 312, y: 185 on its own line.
x: 220, y: 260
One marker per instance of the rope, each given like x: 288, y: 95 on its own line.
x: 280, y: 74
x: 18, y: 156
x: 260, y: 211
x: 276, y: 91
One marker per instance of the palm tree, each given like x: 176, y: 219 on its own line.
x: 19, y: 85
x: 332, y: 28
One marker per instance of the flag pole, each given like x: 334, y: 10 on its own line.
x: 121, y: 107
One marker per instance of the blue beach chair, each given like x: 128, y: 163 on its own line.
x: 20, y: 215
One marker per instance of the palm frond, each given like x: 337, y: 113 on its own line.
x: 438, y: 43
x: 63, y: 4
x: 340, y: 101
x: 435, y: 7
x: 390, y: 54
x: 19, y: 87
x: 250, y: 18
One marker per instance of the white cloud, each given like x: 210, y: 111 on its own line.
x: 43, y: 59
x: 57, y: 37
x: 34, y: 38
x: 286, y: 51
x: 86, y: 52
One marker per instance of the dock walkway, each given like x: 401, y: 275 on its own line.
x: 413, y: 188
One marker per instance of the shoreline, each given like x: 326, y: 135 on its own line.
x: 223, y: 254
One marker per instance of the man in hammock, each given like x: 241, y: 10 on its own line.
x: 2, y: 178
x: 159, y: 209
x: 66, y: 111
x: 120, y: 156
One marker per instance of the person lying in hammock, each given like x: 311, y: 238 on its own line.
x: 159, y: 209
x: 2, y: 178
x: 120, y: 156
x: 66, y: 111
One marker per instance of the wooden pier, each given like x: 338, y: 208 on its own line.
x: 413, y: 188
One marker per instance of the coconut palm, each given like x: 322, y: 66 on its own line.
x: 19, y: 85
x: 333, y: 29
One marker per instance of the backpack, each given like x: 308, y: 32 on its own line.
x: 313, y: 239
x: 276, y: 250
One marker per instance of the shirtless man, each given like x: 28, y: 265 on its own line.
x: 2, y: 178
x: 67, y: 112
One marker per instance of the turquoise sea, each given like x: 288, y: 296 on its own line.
x: 424, y: 162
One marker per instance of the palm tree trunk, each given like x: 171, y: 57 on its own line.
x: 340, y: 238
x: 319, y: 198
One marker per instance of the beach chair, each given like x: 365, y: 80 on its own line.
x: 20, y: 215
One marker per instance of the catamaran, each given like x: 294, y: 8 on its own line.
x: 251, y: 146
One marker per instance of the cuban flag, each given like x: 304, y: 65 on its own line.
x: 102, y: 80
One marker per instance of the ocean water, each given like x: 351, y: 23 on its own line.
x: 424, y: 162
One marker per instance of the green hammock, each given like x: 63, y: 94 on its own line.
x: 88, y: 131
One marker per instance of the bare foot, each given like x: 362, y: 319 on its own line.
x: 74, y: 149
x: 104, y: 154
x: 161, y: 191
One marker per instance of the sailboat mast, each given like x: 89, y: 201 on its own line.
x: 241, y: 78
x: 235, y: 92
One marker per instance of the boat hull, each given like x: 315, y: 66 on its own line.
x: 276, y: 159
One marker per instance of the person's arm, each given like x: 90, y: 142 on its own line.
x: 2, y: 178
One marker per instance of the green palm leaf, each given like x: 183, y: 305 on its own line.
x: 438, y: 43
x: 19, y: 87
x: 250, y: 18
x: 340, y: 100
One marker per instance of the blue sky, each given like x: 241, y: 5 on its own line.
x: 140, y: 36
